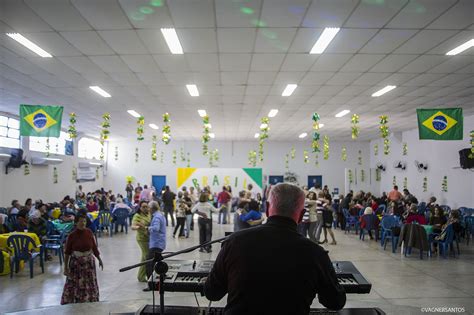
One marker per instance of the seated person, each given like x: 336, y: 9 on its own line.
x: 22, y: 219
x: 438, y: 219
x: 15, y: 209
x: 38, y: 225
x: 121, y: 205
x: 92, y: 205
x: 253, y: 216
x: 413, y: 216
x: 3, y: 223
x: 364, y: 224
x: 431, y: 204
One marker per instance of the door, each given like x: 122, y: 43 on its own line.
x: 315, y: 180
x: 159, y: 182
x: 275, y: 179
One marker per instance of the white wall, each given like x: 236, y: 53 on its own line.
x: 442, y: 158
x: 232, y: 154
x: 39, y: 183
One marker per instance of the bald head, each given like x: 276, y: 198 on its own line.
x: 286, y: 200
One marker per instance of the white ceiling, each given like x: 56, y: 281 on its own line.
x: 240, y: 70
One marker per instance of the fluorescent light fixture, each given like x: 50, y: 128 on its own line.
x: 5, y: 155
x: 172, y: 40
x: 192, y: 89
x: 99, y: 91
x: 323, y: 41
x: 386, y: 89
x: 202, y: 112
x: 290, y: 88
x: 29, y: 44
x: 95, y: 163
x: 133, y: 113
x: 303, y: 135
x: 208, y: 126
x: 153, y: 126
x: 53, y: 159
x: 273, y: 113
x: 342, y: 113
x: 461, y: 48
x: 212, y: 135
x: 263, y: 126
x: 256, y: 135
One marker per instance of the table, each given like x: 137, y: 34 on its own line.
x: 428, y: 229
x: 4, y: 237
x: 62, y: 226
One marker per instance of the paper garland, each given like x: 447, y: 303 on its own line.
x: 264, y: 128
x: 384, y: 134
x: 166, y: 135
x: 205, y: 136
x: 378, y: 175
x: 305, y: 156
x: 140, y: 128
x: 376, y: 149
x: 174, y: 157
x: 362, y: 175
x: 425, y: 184
x: 325, y: 147
x: 316, y: 135
x: 72, y: 126
x: 104, y: 133
x: 154, y: 139
x: 213, y: 157
x: 55, y: 175
x: 252, y: 156
x: 405, y: 148
x: 394, y: 181
x: 182, y: 155
x: 471, y: 155
x: 405, y: 183
x: 188, y: 160
x: 444, y: 184
x: 349, y: 174
x: 355, y: 128
x: 293, y: 153
x: 359, y: 158
x: 136, y: 155
x: 344, y: 153
x: 26, y: 171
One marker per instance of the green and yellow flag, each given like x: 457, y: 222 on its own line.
x: 40, y: 121
x: 440, y: 124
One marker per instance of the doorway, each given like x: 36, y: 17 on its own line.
x: 159, y: 182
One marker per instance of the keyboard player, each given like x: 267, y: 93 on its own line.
x: 271, y: 269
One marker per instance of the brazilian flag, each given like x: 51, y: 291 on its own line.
x: 440, y: 124
x: 40, y: 121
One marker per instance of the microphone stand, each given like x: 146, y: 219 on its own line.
x: 161, y: 268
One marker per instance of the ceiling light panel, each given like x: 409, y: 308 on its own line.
x: 172, y: 40
x: 342, y: 113
x: 381, y: 92
x: 192, y: 89
x: 290, y: 88
x: 323, y: 41
x: 29, y: 44
x: 100, y: 91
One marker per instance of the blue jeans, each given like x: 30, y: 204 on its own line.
x: 222, y: 216
x: 189, y: 219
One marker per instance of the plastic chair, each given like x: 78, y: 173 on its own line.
x: 443, y: 245
x: 12, y: 222
x: 351, y: 221
x: 370, y: 225
x: 381, y: 209
x: 422, y: 207
x: 51, y: 231
x: 23, y: 246
x: 105, y: 222
x: 56, y: 244
x: 469, y: 222
x: 3, y: 210
x: 121, y: 217
x: 446, y: 209
x: 388, y: 222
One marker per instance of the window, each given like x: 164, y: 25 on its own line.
x: 9, y: 132
x: 90, y: 149
x: 56, y: 145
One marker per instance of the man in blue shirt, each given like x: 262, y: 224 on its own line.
x: 157, y: 231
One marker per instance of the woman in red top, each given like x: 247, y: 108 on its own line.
x: 79, y: 265
x: 92, y: 205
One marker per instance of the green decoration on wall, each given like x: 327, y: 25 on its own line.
x: 140, y: 128
x: 384, y: 134
x: 344, y: 153
x: 405, y: 183
x: 325, y: 147
x: 425, y: 184
x: 26, y: 170
x: 316, y: 160
x: 182, y: 155
x: 136, y: 155
x: 405, y: 148
x: 174, y: 157
x: 305, y: 156
x: 55, y: 175
x: 362, y: 175
x: 378, y: 175
x: 154, y: 140
x: 205, y: 136
x: 444, y: 184
x: 166, y: 135
x: 394, y: 181
x: 287, y: 161
x: 376, y: 149
x: 293, y: 153
x: 349, y: 174
x: 359, y: 158
x: 188, y: 160
x: 355, y: 128
x: 252, y: 158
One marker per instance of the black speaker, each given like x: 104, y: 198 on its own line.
x: 464, y: 159
x: 16, y: 159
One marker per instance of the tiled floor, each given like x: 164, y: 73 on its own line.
x: 399, y: 285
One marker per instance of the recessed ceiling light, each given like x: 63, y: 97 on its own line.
x: 29, y: 44
x: 256, y: 135
x: 153, y: 126
x: 290, y: 88
x: 172, y: 40
x: 273, y: 113
x: 212, y: 135
x: 386, y: 89
x: 192, y: 89
x: 99, y: 91
x: 202, y: 112
x: 323, y: 41
x: 342, y: 113
x: 461, y: 48
x: 303, y: 135
x: 133, y: 113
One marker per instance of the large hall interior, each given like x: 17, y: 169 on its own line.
x: 244, y: 131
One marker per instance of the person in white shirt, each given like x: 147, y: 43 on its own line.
x: 204, y: 209
x: 15, y: 209
x: 121, y: 205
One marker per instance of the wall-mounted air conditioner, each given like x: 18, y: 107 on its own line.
x: 45, y: 161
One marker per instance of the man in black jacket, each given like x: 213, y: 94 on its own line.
x: 271, y: 269
x: 168, y: 198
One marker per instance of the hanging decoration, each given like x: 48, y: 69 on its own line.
x: 362, y: 175
x: 287, y: 161
x: 174, y: 157
x: 355, y: 129
x: 316, y: 160
x: 293, y: 153
x: 47, y: 148
x: 425, y: 184
x: 162, y: 155
x: 264, y: 128
x: 182, y: 155
x: 344, y: 153
x: 316, y: 135
x: 188, y: 160
x: 26, y: 170
x: 213, y: 157
x: 97, y: 173
x: 104, y: 133
x: 405, y: 183
x: 253, y: 158
x: 384, y: 134
x: 140, y: 128
x: 205, y: 136
x: 136, y: 155
x: 216, y: 155
x: 394, y: 181
x: 116, y: 153
x: 305, y: 156
x: 166, y: 135
x: 444, y: 184
x: 72, y: 126
x: 153, y: 148
x: 471, y: 155
x: 359, y: 158
x: 376, y: 149
x: 55, y: 175
x: 378, y: 175
x: 349, y: 174
x: 74, y: 173
x: 405, y: 148
x: 325, y: 147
